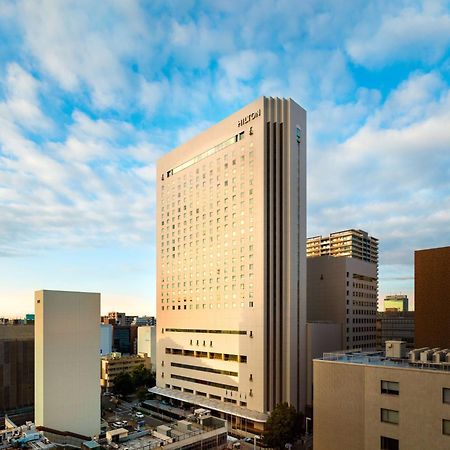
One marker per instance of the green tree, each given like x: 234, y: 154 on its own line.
x: 141, y: 393
x: 142, y: 377
x: 123, y: 384
x: 283, y: 426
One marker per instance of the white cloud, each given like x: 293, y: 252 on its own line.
x: 411, y: 34
x: 390, y: 177
x: 22, y: 99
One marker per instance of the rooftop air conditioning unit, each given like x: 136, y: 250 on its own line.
x: 427, y: 355
x: 440, y: 356
x: 414, y: 355
x: 395, y: 349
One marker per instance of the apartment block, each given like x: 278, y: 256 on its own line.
x: 344, y: 290
x: 231, y: 265
x: 432, y: 297
x: 398, y: 302
x: 67, y: 343
x: 351, y: 243
x: 366, y: 401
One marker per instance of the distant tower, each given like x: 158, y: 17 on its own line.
x: 67, y: 368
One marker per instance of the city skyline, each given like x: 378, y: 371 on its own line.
x: 86, y: 109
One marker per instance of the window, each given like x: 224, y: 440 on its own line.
x: 446, y: 395
x: 390, y: 387
x: 389, y: 416
x: 388, y: 443
x: 446, y: 427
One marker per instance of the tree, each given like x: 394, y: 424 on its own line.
x: 142, y: 377
x: 141, y: 393
x: 123, y: 384
x: 283, y: 425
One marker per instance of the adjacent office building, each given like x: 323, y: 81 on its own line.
x: 432, y: 296
x: 67, y: 342
x: 369, y: 401
x: 231, y: 298
x: 343, y: 285
x: 395, y: 326
x: 16, y: 367
x: 398, y: 303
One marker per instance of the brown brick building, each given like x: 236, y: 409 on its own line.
x: 432, y: 297
x: 16, y: 367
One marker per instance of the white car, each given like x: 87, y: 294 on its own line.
x: 139, y: 415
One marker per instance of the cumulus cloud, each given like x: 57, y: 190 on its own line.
x: 88, y: 105
x: 416, y: 32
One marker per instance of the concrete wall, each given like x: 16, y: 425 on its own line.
x: 321, y: 337
x: 67, y: 342
x: 348, y: 401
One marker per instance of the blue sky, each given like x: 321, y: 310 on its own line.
x: 92, y: 93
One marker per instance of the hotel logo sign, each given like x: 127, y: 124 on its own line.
x: 249, y: 118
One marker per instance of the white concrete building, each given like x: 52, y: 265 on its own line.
x: 231, y: 265
x: 67, y: 342
x: 146, y: 343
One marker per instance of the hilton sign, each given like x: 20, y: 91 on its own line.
x: 249, y: 118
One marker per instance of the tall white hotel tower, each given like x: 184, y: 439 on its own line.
x: 231, y: 290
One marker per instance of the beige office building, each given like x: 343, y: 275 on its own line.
x: 67, y: 343
x: 345, y: 290
x: 365, y: 402
x: 115, y: 364
x: 231, y: 290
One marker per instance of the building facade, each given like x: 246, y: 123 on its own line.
x: 351, y: 243
x: 146, y: 343
x: 398, y: 303
x: 115, y: 363
x: 344, y: 290
x: 364, y: 402
x: 231, y: 299
x: 16, y: 367
x: 395, y: 326
x: 106, y: 339
x: 432, y: 297
x: 67, y: 342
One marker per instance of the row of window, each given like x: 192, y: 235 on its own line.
x: 392, y: 416
x: 204, y: 306
x: 204, y: 369
x: 227, y: 387
x: 211, y: 396
x: 192, y: 330
x: 203, y: 354
x: 393, y: 388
